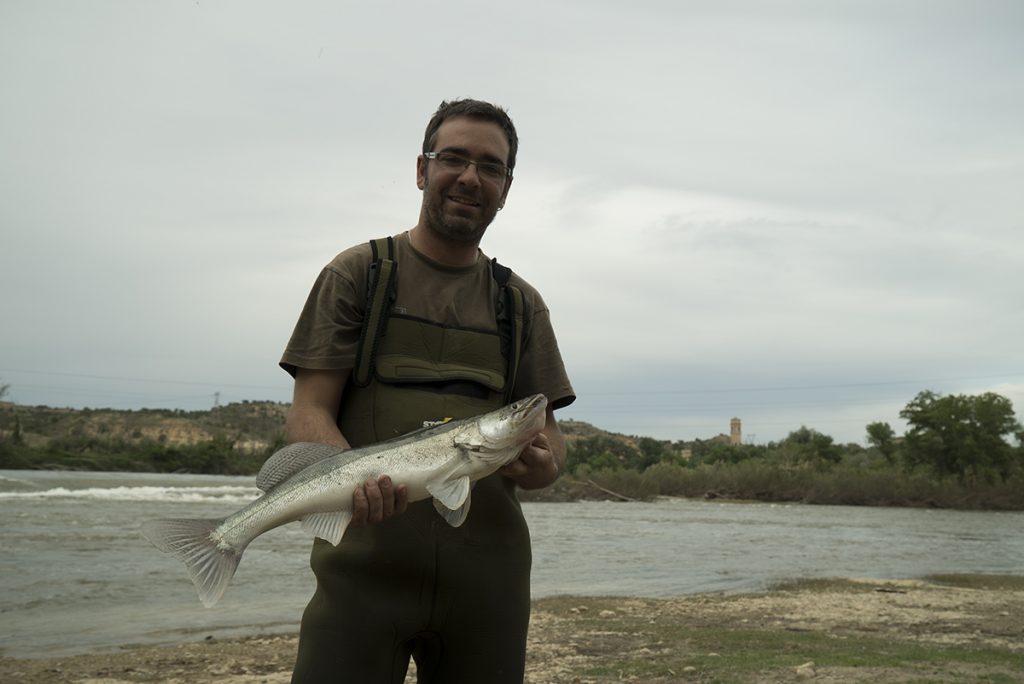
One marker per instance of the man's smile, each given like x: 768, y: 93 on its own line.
x: 465, y: 201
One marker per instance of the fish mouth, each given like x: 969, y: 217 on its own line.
x: 530, y: 410
x: 515, y: 424
x: 530, y: 403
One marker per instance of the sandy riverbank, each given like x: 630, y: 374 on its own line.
x: 957, y: 629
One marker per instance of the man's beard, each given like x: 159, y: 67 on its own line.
x: 462, y: 230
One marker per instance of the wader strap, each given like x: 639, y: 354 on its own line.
x: 511, y: 322
x: 381, y: 290
x: 380, y: 297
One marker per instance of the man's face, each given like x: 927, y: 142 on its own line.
x: 459, y: 205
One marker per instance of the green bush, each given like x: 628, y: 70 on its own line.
x: 838, y: 485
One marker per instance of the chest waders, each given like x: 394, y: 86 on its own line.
x: 456, y: 599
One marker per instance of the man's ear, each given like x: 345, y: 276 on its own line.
x: 504, y: 193
x: 421, y: 172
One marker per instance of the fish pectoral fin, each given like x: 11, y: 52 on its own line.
x: 452, y: 499
x: 453, y: 517
x: 330, y: 525
x: 451, y: 493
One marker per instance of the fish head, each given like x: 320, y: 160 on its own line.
x: 515, y: 424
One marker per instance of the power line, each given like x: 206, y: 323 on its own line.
x: 786, y: 388
x: 661, y: 392
x: 87, y: 376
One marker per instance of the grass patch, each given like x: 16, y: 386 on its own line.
x: 717, y: 639
x: 729, y: 655
x: 963, y: 581
x: 990, y: 582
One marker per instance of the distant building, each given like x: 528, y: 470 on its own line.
x: 735, y: 436
x: 735, y: 432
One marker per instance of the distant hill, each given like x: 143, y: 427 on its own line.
x: 574, y: 430
x: 251, y: 426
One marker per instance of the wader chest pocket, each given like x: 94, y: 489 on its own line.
x: 415, y: 351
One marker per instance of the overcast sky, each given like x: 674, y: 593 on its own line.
x: 797, y: 213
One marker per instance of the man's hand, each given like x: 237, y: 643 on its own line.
x: 537, y: 466
x: 378, y: 500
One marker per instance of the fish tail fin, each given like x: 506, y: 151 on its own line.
x: 210, y: 564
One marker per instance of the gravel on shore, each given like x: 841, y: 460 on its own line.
x: 570, y: 637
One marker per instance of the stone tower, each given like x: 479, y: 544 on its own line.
x: 735, y: 432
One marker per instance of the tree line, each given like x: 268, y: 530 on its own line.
x: 958, y: 451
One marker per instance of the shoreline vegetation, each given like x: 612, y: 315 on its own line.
x: 938, y: 468
x: 953, y: 628
x: 754, y: 482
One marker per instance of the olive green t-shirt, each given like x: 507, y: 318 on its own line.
x: 327, y: 334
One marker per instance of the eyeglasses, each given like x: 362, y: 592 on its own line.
x: 456, y: 163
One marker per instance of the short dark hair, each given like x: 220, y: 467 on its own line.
x: 473, y: 109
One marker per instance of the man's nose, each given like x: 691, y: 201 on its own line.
x: 470, y: 175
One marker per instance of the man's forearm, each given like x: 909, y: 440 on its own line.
x: 314, y: 424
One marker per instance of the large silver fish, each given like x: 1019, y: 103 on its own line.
x: 314, y: 483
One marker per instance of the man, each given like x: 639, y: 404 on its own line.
x: 458, y: 336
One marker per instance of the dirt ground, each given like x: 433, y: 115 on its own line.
x: 571, y: 638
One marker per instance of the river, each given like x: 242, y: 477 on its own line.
x: 76, y: 575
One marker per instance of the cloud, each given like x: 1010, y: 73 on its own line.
x: 798, y: 214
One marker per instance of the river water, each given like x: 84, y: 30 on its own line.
x: 76, y: 575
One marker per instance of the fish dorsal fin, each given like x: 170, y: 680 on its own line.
x: 291, y: 459
x: 451, y: 493
x: 330, y: 525
x: 454, y: 518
